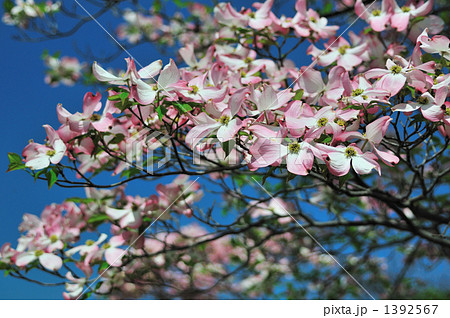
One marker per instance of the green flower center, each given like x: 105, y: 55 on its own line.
x: 396, y: 69
x: 95, y: 117
x: 350, y: 152
x: 357, y: 92
x: 312, y: 19
x: 90, y: 242
x: 53, y: 238
x: 252, y: 15
x: 406, y: 9
x: 194, y: 89
x: 376, y: 13
x: 340, y: 122
x: 155, y: 87
x: 294, y: 147
x: 38, y: 253
x: 422, y: 100
x: 248, y: 60
x: 447, y: 111
x: 224, y: 119
x: 106, y: 246
x: 322, y: 122
x: 51, y: 153
x: 343, y: 49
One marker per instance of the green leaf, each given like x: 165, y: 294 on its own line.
x: 8, y: 5
x: 183, y: 108
x: 14, y: 158
x: 114, y: 97
x: 344, y: 179
x: 327, y: 8
x: 52, y: 177
x: 272, y: 169
x: 298, y: 94
x: 181, y: 3
x: 15, y: 162
x: 368, y: 30
x: 80, y: 200
x: 157, y: 6
x: 123, y: 96
x: 98, y: 218
x: 290, y: 176
x: 412, y: 90
x: 427, y: 57
x: 104, y: 266
x: 130, y: 173
x: 161, y: 110
x: 37, y: 174
x: 416, y: 19
x: 228, y: 146
x: 117, y: 139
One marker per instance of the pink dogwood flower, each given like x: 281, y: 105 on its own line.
x: 225, y: 125
x: 339, y: 159
x: 81, y: 122
x: 375, y: 131
x: 401, y: 15
x: 429, y: 106
x: 376, y: 18
x: 341, y: 52
x: 39, y: 156
x: 438, y: 44
x: 49, y: 260
x: 165, y: 85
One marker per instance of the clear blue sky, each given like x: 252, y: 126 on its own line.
x: 28, y: 103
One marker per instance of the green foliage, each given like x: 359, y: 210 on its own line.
x: 99, y: 218
x: 15, y: 162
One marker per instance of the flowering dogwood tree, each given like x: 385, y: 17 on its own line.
x: 318, y: 166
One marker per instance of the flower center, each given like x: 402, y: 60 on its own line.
x: 422, y: 100
x: 376, y: 13
x: 396, y: 69
x: 252, y: 15
x: 294, y: 147
x: 106, y: 246
x: 95, y: 117
x: 343, y: 49
x: 194, y: 89
x: 53, y: 238
x: 90, y: 242
x: 447, y: 111
x: 51, y: 153
x: 350, y: 152
x: 357, y: 92
x: 406, y: 9
x: 312, y: 19
x: 340, y: 122
x: 248, y: 60
x: 38, y: 253
x: 155, y: 87
x: 322, y: 122
x: 224, y: 119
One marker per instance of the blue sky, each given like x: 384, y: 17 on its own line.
x: 28, y: 103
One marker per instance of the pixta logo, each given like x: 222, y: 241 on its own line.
x: 148, y: 150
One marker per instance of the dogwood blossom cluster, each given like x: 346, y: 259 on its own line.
x: 232, y: 104
x: 56, y: 235
x: 198, y: 30
x: 21, y: 12
x: 275, y: 115
x: 64, y: 70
